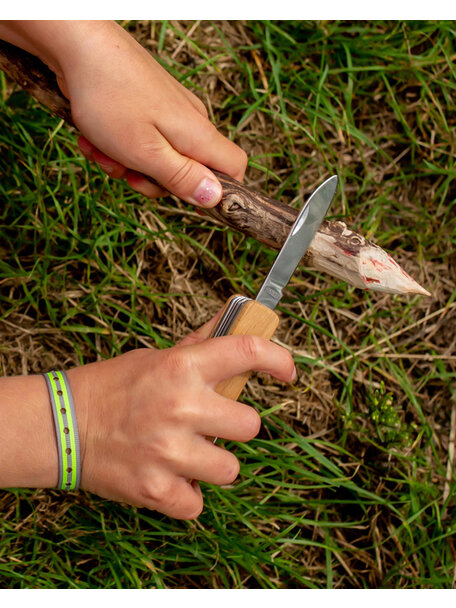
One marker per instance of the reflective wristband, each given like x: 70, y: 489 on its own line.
x: 66, y: 430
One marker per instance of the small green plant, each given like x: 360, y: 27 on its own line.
x: 390, y: 427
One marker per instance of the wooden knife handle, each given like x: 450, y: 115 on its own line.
x: 254, y: 319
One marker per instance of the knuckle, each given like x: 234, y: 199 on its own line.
x: 201, y: 107
x: 252, y: 424
x: 181, y: 175
x: 213, y: 137
x: 211, y: 129
x: 193, y: 511
x: 249, y: 347
x: 178, y: 363
x: 167, y: 496
x: 189, y: 410
x: 174, y: 453
x: 229, y: 469
x: 160, y: 492
x: 144, y: 151
x: 166, y: 448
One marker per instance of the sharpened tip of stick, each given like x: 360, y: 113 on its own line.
x: 380, y: 272
x: 420, y: 290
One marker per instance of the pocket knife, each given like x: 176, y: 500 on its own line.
x: 242, y: 315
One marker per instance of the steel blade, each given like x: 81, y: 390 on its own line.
x: 297, y: 242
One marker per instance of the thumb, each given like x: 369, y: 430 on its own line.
x: 181, y: 175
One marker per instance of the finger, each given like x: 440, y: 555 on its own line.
x: 200, y: 140
x: 227, y: 356
x: 141, y: 184
x: 86, y: 147
x: 110, y: 166
x: 209, y: 463
x: 174, y: 496
x: 136, y: 180
x: 202, y: 333
x: 188, y: 503
x: 179, y: 174
x: 227, y: 419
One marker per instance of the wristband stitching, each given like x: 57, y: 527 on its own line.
x: 66, y: 429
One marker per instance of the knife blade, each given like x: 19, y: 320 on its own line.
x: 242, y: 315
x: 297, y: 242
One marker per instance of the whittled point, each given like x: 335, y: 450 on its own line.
x: 347, y: 255
x: 379, y: 271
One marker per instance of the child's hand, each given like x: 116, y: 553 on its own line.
x: 136, y: 119
x: 146, y: 419
x: 134, y: 116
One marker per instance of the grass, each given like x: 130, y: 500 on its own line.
x: 350, y: 482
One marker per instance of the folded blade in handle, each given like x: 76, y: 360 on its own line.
x: 229, y: 316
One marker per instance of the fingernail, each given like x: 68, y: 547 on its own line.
x: 294, y: 376
x: 208, y: 192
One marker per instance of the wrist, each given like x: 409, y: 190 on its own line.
x: 28, y: 447
x: 59, y: 44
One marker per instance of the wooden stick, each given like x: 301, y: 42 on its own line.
x: 335, y: 249
x: 35, y: 77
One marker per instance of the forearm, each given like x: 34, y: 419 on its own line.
x: 28, y: 447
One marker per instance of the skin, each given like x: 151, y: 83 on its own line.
x: 145, y: 418
x: 145, y: 421
x: 134, y: 117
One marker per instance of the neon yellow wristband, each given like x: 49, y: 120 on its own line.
x: 66, y: 430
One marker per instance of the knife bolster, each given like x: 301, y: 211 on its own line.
x: 253, y: 319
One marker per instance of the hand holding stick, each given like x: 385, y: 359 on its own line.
x: 336, y: 249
